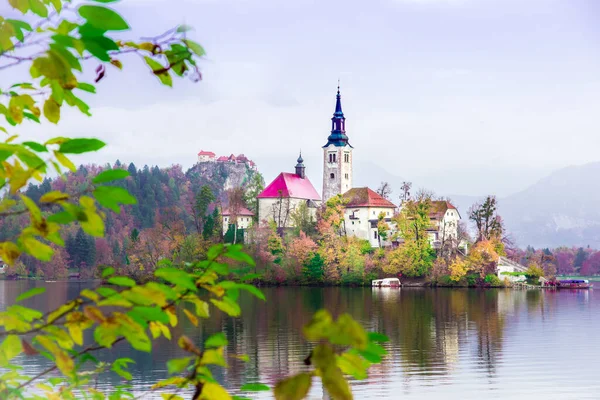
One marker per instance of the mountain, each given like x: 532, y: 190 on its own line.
x: 561, y: 209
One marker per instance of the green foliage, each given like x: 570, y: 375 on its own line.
x: 314, y: 270
x: 493, y: 280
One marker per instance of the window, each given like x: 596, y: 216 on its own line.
x: 226, y: 219
x: 373, y: 212
x: 346, y: 157
x: 388, y: 213
x: 331, y: 157
x: 374, y: 234
x: 332, y: 176
x: 346, y: 176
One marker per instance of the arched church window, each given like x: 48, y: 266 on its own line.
x: 332, y: 176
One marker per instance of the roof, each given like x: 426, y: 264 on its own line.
x: 338, y: 135
x: 206, y: 153
x: 365, y: 197
x: 222, y: 158
x: 242, y: 212
x: 290, y: 185
x: 439, y: 207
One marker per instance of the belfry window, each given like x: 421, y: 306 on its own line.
x: 332, y: 176
x: 346, y: 157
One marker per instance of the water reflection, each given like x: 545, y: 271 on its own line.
x: 455, y: 343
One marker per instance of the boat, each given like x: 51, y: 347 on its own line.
x: 574, y: 284
x: 387, y: 282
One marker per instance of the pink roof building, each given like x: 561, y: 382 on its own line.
x: 222, y: 159
x: 206, y: 153
x: 290, y: 185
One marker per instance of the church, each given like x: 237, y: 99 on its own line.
x: 290, y: 190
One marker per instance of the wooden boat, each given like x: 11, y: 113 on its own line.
x: 574, y: 284
x: 387, y: 282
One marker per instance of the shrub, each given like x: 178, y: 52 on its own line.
x: 493, y: 280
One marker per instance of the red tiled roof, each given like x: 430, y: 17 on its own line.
x: 439, y: 207
x: 365, y: 197
x: 222, y: 158
x: 290, y: 185
x: 206, y: 153
x: 242, y: 212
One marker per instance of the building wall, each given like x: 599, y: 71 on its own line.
x: 204, y: 158
x: 243, y: 222
x: 361, y: 226
x: 269, y: 208
x: 341, y: 170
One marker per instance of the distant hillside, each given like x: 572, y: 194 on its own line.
x: 220, y: 176
x: 561, y: 209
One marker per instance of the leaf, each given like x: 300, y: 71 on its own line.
x: 149, y: 314
x: 191, y: 317
x: 103, y: 18
x: 110, y: 175
x: 9, y: 349
x: 240, y: 256
x: 252, y: 290
x: 176, y: 277
x: 177, y: 365
x: 214, y: 391
x: 121, y: 281
x: 187, y: 345
x: 195, y: 47
x: 160, y: 71
x: 53, y: 197
x: 52, y: 110
x: 216, y: 340
x: 65, y: 162
x: 86, y: 87
x: 30, y: 293
x: 184, y: 28
x: 373, y: 353
x: 63, y: 217
x: 228, y: 306
x: 255, y: 387
x: 331, y: 376
x: 377, y: 337
x: 39, y: 250
x: 213, y: 357
x: 64, y: 363
x: 107, y: 272
x: 293, y: 388
x: 81, y: 145
x: 112, y: 196
x: 353, y: 364
x: 119, y: 365
x: 36, y: 147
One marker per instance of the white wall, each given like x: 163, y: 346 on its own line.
x: 340, y: 168
x: 267, y: 207
x: 361, y: 227
x: 243, y: 222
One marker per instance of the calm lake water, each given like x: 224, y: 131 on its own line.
x: 445, y: 343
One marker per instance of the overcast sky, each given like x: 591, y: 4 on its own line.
x: 462, y: 96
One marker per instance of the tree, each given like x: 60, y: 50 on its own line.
x: 303, y: 219
x: 405, y: 194
x: 383, y: 228
x: 235, y: 200
x: 255, y: 187
x: 384, y: 190
x: 281, y: 211
x: 487, y: 222
x: 203, y: 200
x: 119, y: 309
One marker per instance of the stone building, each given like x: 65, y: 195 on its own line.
x: 284, y: 195
x: 337, y: 156
x: 363, y: 207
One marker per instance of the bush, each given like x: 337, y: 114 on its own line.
x: 493, y: 280
x: 473, y: 280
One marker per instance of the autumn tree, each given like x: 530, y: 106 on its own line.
x: 487, y: 222
x: 303, y: 219
x: 235, y: 204
x: 383, y: 228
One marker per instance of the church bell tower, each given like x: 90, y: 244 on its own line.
x: 337, y: 156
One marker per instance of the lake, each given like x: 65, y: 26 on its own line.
x: 444, y: 343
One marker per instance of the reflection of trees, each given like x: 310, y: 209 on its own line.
x: 427, y: 327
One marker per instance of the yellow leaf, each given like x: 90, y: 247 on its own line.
x: 36, y: 248
x: 191, y: 317
x: 94, y: 314
x: 52, y: 110
x: 65, y: 162
x: 187, y: 345
x: 214, y: 357
x: 54, y: 197
x: 172, y: 316
x: 214, y: 391
x: 154, y: 329
x: 34, y: 211
x: 60, y: 311
x: 64, y: 363
x: 9, y: 349
x: 9, y: 252
x: 293, y: 388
